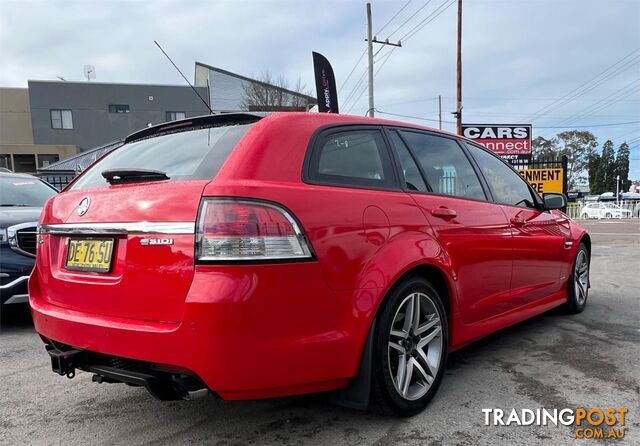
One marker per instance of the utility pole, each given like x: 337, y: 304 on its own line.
x: 371, y: 111
x: 371, y: 39
x: 458, y: 111
x: 440, y: 112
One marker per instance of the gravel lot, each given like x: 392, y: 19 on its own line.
x: 552, y: 361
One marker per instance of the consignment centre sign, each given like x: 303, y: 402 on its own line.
x: 510, y: 141
x: 544, y: 180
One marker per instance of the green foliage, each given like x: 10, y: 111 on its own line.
x: 608, y: 167
x: 595, y: 174
x: 622, y: 166
x: 577, y: 145
x: 604, y: 168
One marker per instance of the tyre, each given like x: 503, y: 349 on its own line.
x: 578, y: 288
x: 584, y: 216
x: 607, y: 215
x: 410, y: 348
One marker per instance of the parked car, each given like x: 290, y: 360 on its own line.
x: 256, y: 257
x: 604, y: 210
x: 21, y: 200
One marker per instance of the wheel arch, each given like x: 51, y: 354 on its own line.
x: 586, y: 239
x: 435, y: 275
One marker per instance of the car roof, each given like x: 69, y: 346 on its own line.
x: 320, y: 119
x: 17, y: 175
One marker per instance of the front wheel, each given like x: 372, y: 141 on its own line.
x: 410, y: 348
x: 578, y: 288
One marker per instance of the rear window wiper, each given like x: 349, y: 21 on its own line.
x: 120, y: 176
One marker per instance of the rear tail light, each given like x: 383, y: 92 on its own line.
x: 231, y: 230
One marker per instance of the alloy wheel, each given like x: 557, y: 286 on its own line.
x: 415, y: 346
x: 581, y: 277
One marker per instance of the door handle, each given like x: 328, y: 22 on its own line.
x: 443, y: 212
x: 518, y: 221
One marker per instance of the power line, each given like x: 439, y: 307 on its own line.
x: 430, y: 18
x: 412, y: 117
x: 578, y: 91
x: 613, y: 124
x: 410, y: 17
x: 383, y: 60
x: 603, y: 103
x: 359, y: 83
x: 353, y: 69
x: 394, y: 16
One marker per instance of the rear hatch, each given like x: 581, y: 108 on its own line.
x: 126, y: 248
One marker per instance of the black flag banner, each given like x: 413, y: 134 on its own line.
x: 325, y: 84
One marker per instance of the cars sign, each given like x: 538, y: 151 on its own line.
x: 510, y: 141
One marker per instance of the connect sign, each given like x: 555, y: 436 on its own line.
x: 544, y: 180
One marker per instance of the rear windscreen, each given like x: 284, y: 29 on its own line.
x: 186, y: 155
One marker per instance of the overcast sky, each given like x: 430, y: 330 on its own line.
x: 519, y: 56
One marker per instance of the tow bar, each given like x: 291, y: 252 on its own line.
x: 65, y: 362
x: 165, y: 386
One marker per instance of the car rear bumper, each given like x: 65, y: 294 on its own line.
x: 247, y: 331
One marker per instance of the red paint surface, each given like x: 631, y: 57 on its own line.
x: 302, y: 326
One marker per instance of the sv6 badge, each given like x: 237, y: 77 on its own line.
x: 156, y: 241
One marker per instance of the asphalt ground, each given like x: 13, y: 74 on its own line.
x: 552, y: 361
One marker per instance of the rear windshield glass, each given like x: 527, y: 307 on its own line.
x: 18, y: 191
x: 186, y: 155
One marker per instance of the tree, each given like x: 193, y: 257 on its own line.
x: 542, y: 148
x: 622, y: 166
x: 577, y: 145
x: 595, y: 174
x: 607, y: 168
x: 269, y: 93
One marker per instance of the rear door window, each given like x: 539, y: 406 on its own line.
x: 446, y: 167
x: 185, y: 155
x: 413, y: 180
x: 358, y: 158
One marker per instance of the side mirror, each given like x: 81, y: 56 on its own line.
x: 554, y: 201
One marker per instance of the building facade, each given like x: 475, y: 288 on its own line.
x: 232, y: 92
x: 91, y: 114
x: 18, y: 151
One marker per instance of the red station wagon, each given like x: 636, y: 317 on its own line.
x: 254, y: 256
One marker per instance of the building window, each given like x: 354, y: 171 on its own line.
x: 175, y: 116
x: 118, y: 108
x: 61, y: 119
x: 45, y: 160
x: 25, y: 163
x: 5, y: 161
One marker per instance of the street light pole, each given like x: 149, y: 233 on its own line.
x: 618, y: 190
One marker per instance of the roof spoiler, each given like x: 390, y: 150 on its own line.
x: 200, y: 121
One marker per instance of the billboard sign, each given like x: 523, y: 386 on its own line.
x: 510, y: 141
